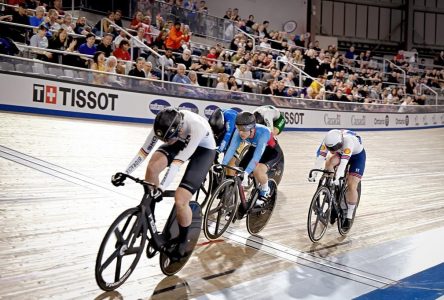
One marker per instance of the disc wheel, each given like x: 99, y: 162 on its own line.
x: 343, y: 212
x: 258, y: 218
x: 120, y: 249
x: 221, y: 210
x: 319, y: 214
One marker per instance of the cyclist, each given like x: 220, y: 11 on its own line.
x: 263, y: 154
x: 222, y: 123
x: 186, y: 136
x: 346, y: 149
x: 271, y: 117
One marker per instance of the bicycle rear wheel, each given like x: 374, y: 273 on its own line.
x: 221, y: 210
x: 343, y: 212
x: 169, y: 267
x: 319, y: 214
x: 120, y: 249
x: 257, y: 218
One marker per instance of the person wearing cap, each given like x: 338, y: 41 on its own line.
x: 175, y: 37
x: 39, y: 40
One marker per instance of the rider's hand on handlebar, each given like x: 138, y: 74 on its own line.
x: 118, y: 179
x: 158, y: 195
x: 313, y: 177
x: 245, y: 179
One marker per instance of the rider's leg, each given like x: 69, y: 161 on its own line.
x: 332, y: 162
x: 157, y: 164
x: 260, y: 173
x: 352, y: 194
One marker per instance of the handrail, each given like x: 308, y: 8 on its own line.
x: 142, y: 44
x: 397, y: 67
x: 248, y: 35
x: 302, y: 72
x: 431, y: 90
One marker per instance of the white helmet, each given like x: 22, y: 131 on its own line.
x: 334, y: 140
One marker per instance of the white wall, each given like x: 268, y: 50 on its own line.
x: 276, y: 11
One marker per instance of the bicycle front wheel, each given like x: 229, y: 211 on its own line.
x: 319, y: 214
x: 257, y: 218
x: 221, y: 210
x: 121, y: 249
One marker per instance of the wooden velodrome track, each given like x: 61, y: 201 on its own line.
x: 56, y: 203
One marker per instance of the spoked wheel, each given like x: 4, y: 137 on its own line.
x: 258, y: 217
x: 221, y: 210
x: 319, y: 214
x: 121, y: 249
x: 170, y: 267
x: 343, y: 213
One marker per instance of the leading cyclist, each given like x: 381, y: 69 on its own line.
x: 271, y: 117
x: 346, y: 148
x: 186, y: 136
x: 261, y: 156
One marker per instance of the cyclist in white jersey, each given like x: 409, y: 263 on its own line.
x: 186, y: 136
x: 271, y: 117
x: 346, y: 148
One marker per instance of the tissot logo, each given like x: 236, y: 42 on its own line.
x: 54, y: 95
x: 357, y: 120
x: 335, y: 120
x: 294, y: 118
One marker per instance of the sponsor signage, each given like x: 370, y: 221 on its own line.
x: 41, y: 96
x: 81, y: 97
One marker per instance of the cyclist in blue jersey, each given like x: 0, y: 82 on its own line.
x: 223, y: 124
x: 263, y: 154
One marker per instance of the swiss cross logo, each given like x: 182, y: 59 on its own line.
x: 51, y: 94
x: 47, y: 94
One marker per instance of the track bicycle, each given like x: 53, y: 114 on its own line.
x: 328, y: 204
x: 229, y: 203
x: 124, y: 242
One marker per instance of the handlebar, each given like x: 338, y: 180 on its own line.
x: 322, y: 171
x: 235, y: 169
x: 137, y: 180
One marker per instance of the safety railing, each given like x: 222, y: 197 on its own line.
x: 143, y: 85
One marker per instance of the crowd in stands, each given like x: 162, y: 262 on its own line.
x: 273, y: 64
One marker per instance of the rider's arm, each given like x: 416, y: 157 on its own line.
x: 230, y: 127
x: 345, y: 157
x: 260, y: 148
x: 149, y: 144
x: 321, y: 156
x: 235, y: 142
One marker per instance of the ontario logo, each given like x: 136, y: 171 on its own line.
x: 189, y: 106
x: 209, y: 110
x: 157, y: 105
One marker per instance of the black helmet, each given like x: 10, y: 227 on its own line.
x: 245, y: 121
x: 167, y: 123
x: 217, y: 122
x: 259, y: 118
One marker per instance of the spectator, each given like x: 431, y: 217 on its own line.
x: 249, y: 24
x: 265, y: 30
x: 148, y: 69
x: 232, y: 84
x: 39, y: 17
x: 185, y: 59
x: 212, y: 56
x: 350, y: 54
x: 104, y: 26
x: 67, y: 23
x: 235, y: 15
x: 180, y: 77
x: 39, y: 40
x: 228, y: 14
x: 81, y: 26
x: 106, y: 45
x: 222, y: 83
x: 147, y: 31
x: 20, y: 16
x: 57, y: 5
x: 440, y: 59
x: 175, y: 38
x: 192, y: 75
x: 338, y: 96
x: 137, y: 20
x: 137, y: 71
x: 167, y: 60
x: 60, y: 41
x: 98, y: 64
x: 244, y: 78
x: 88, y: 47
x: 122, y: 36
x: 122, y: 52
x: 118, y: 18
x: 53, y: 21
